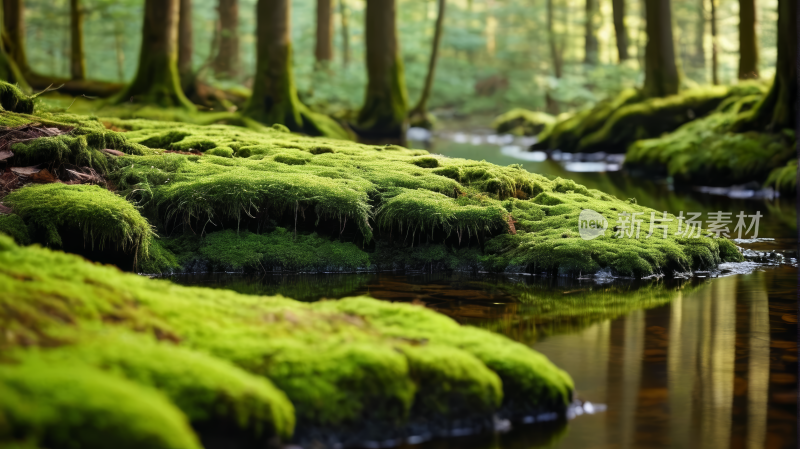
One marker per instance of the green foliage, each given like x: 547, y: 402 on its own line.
x: 784, y: 179
x: 76, y: 406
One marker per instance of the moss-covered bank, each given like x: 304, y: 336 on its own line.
x: 124, y: 352
x: 614, y: 124
x: 218, y: 194
x: 522, y: 122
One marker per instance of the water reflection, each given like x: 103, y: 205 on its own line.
x: 706, y: 364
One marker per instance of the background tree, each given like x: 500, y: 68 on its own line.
x: 274, y: 98
x: 156, y: 80
x: 343, y: 13
x: 714, y: 44
x: 777, y: 110
x: 748, y: 40
x: 419, y: 114
x: 226, y: 63
x: 591, y: 42
x: 386, y: 101
x: 699, y: 58
x: 77, y: 59
x: 660, y: 70
x: 620, y: 31
x: 556, y: 55
x: 14, y: 33
x: 324, y: 45
x: 9, y: 70
x: 185, y: 44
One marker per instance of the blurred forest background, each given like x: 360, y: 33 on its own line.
x: 494, y: 54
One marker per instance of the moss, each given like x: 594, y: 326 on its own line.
x: 522, y: 122
x: 655, y: 116
x: 14, y: 226
x: 784, y: 179
x: 159, y: 260
x: 103, y: 217
x: 14, y: 100
x: 78, y: 406
x: 339, y: 362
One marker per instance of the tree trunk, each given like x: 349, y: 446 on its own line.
x: 556, y: 53
x: 324, y: 49
x: 777, y: 110
x: 345, y: 34
x: 156, y: 81
x: 77, y: 60
x: 661, y: 71
x: 185, y: 45
x: 226, y: 63
x: 274, y: 98
x: 14, y: 33
x: 118, y: 36
x: 421, y: 107
x: 748, y: 40
x: 700, y: 36
x: 714, y: 45
x: 620, y: 30
x: 591, y: 43
x: 386, y: 102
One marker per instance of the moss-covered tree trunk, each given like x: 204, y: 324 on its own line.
x: 714, y: 44
x: 419, y: 113
x: 661, y: 71
x: 591, y: 44
x: 77, y: 59
x: 185, y: 45
x: 777, y: 110
x: 748, y: 40
x: 156, y: 81
x: 345, y: 33
x: 9, y: 71
x: 226, y: 63
x: 274, y: 98
x: 386, y: 103
x: 324, y: 48
x: 14, y: 33
x: 619, y: 29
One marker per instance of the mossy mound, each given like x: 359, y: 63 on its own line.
x: 76, y: 406
x: 522, y: 122
x: 14, y: 226
x: 706, y: 152
x: 613, y: 125
x: 14, y: 100
x: 341, y: 363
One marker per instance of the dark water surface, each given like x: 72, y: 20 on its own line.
x: 698, y: 363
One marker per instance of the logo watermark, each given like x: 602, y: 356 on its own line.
x: 592, y: 224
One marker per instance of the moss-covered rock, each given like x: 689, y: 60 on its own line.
x: 522, y: 122
x: 340, y: 363
x: 14, y: 226
x: 784, y: 179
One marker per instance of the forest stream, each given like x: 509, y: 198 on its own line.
x: 707, y: 361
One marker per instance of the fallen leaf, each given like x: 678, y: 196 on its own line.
x: 5, y: 154
x: 113, y: 152
x: 44, y: 177
x: 25, y: 171
x: 5, y: 209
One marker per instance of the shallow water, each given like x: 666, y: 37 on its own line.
x: 702, y: 362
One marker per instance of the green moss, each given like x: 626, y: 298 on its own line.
x: 75, y: 406
x: 14, y: 100
x: 784, y: 179
x: 159, y: 260
x: 103, y: 217
x: 522, y: 122
x: 14, y: 226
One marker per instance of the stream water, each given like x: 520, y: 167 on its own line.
x: 706, y: 362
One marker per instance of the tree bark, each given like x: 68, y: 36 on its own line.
x: 556, y: 53
x: 714, y: 45
x: 324, y: 48
x: 777, y: 110
x: 661, y: 71
x: 386, y: 102
x: 619, y: 29
x: 700, y: 36
x: 77, y: 60
x: 748, y: 40
x: 345, y: 33
x: 421, y: 107
x: 156, y: 80
x: 14, y: 33
x: 226, y: 63
x: 185, y: 45
x: 591, y: 43
x: 274, y: 98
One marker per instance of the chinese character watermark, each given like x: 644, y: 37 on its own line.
x: 592, y: 224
